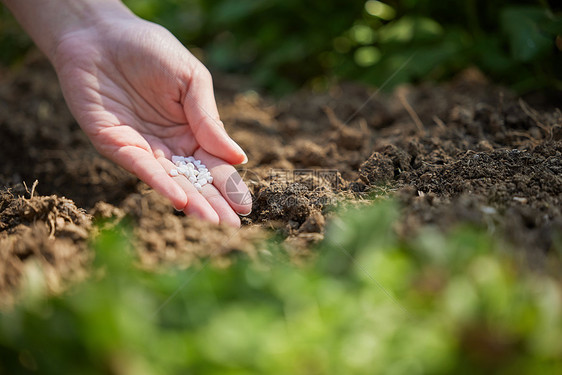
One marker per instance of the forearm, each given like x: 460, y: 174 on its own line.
x: 48, y: 21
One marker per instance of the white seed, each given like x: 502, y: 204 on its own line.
x: 194, y: 170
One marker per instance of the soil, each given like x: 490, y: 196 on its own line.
x: 462, y: 151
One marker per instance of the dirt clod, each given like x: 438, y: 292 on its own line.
x: 377, y: 169
x: 50, y: 230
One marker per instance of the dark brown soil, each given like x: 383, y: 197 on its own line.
x: 48, y: 230
x: 457, y: 152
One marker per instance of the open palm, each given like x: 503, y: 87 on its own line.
x: 141, y: 97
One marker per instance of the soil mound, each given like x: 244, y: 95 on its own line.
x: 464, y: 150
x: 50, y: 230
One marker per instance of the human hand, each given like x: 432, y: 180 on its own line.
x: 141, y: 97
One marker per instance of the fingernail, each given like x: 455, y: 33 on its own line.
x: 245, y: 214
x: 180, y: 209
x: 237, y: 146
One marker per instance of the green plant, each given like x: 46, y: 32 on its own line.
x: 370, y: 304
x: 282, y: 45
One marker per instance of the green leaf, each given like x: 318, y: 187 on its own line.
x: 410, y: 28
x: 237, y: 10
x: 526, y: 29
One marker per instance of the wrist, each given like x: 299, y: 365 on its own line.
x: 89, y: 21
x: 49, y: 23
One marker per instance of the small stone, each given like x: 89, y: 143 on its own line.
x: 202, y: 181
x: 197, y: 186
x: 174, y: 172
x: 488, y: 210
x: 522, y: 200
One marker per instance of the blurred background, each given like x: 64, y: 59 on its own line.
x: 284, y: 44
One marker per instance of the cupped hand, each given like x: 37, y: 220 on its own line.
x: 142, y: 97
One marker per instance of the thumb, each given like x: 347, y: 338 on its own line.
x: 202, y: 115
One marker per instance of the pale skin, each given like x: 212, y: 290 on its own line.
x: 140, y: 96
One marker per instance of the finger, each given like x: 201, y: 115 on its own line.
x: 228, y: 182
x: 220, y: 205
x: 201, y: 112
x: 145, y: 166
x: 197, y: 204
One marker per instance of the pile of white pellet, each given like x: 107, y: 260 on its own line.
x: 195, y: 171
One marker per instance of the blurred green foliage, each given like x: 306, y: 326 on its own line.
x: 13, y: 41
x: 370, y: 304
x: 283, y: 44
